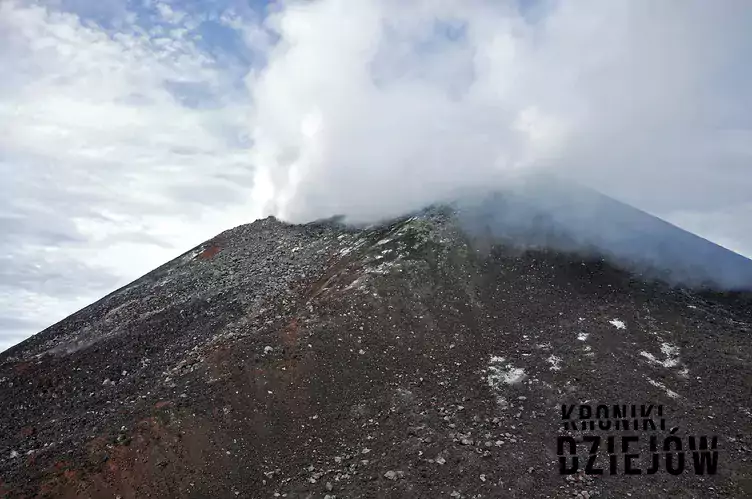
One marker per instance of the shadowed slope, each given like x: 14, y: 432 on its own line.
x: 550, y: 213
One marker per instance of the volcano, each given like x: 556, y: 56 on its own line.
x: 468, y: 350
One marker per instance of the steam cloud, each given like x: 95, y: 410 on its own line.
x: 369, y: 108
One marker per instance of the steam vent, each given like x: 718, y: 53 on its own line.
x: 458, y: 352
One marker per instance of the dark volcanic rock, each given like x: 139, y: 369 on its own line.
x: 394, y: 361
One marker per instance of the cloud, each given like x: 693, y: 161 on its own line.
x: 122, y: 144
x: 405, y: 101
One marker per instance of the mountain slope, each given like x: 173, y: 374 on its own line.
x: 410, y: 359
x: 553, y: 213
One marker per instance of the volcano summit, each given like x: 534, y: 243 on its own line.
x: 428, y: 356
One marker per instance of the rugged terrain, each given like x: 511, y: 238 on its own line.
x: 407, y: 359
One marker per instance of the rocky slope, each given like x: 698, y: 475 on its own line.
x: 403, y: 360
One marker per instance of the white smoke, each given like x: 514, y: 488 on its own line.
x: 371, y: 107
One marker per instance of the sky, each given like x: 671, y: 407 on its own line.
x: 132, y: 131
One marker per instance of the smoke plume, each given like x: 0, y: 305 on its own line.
x: 370, y: 108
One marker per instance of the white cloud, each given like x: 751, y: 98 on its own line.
x: 647, y: 102
x: 119, y: 151
x: 168, y: 14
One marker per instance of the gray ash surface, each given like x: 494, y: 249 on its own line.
x: 401, y: 360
